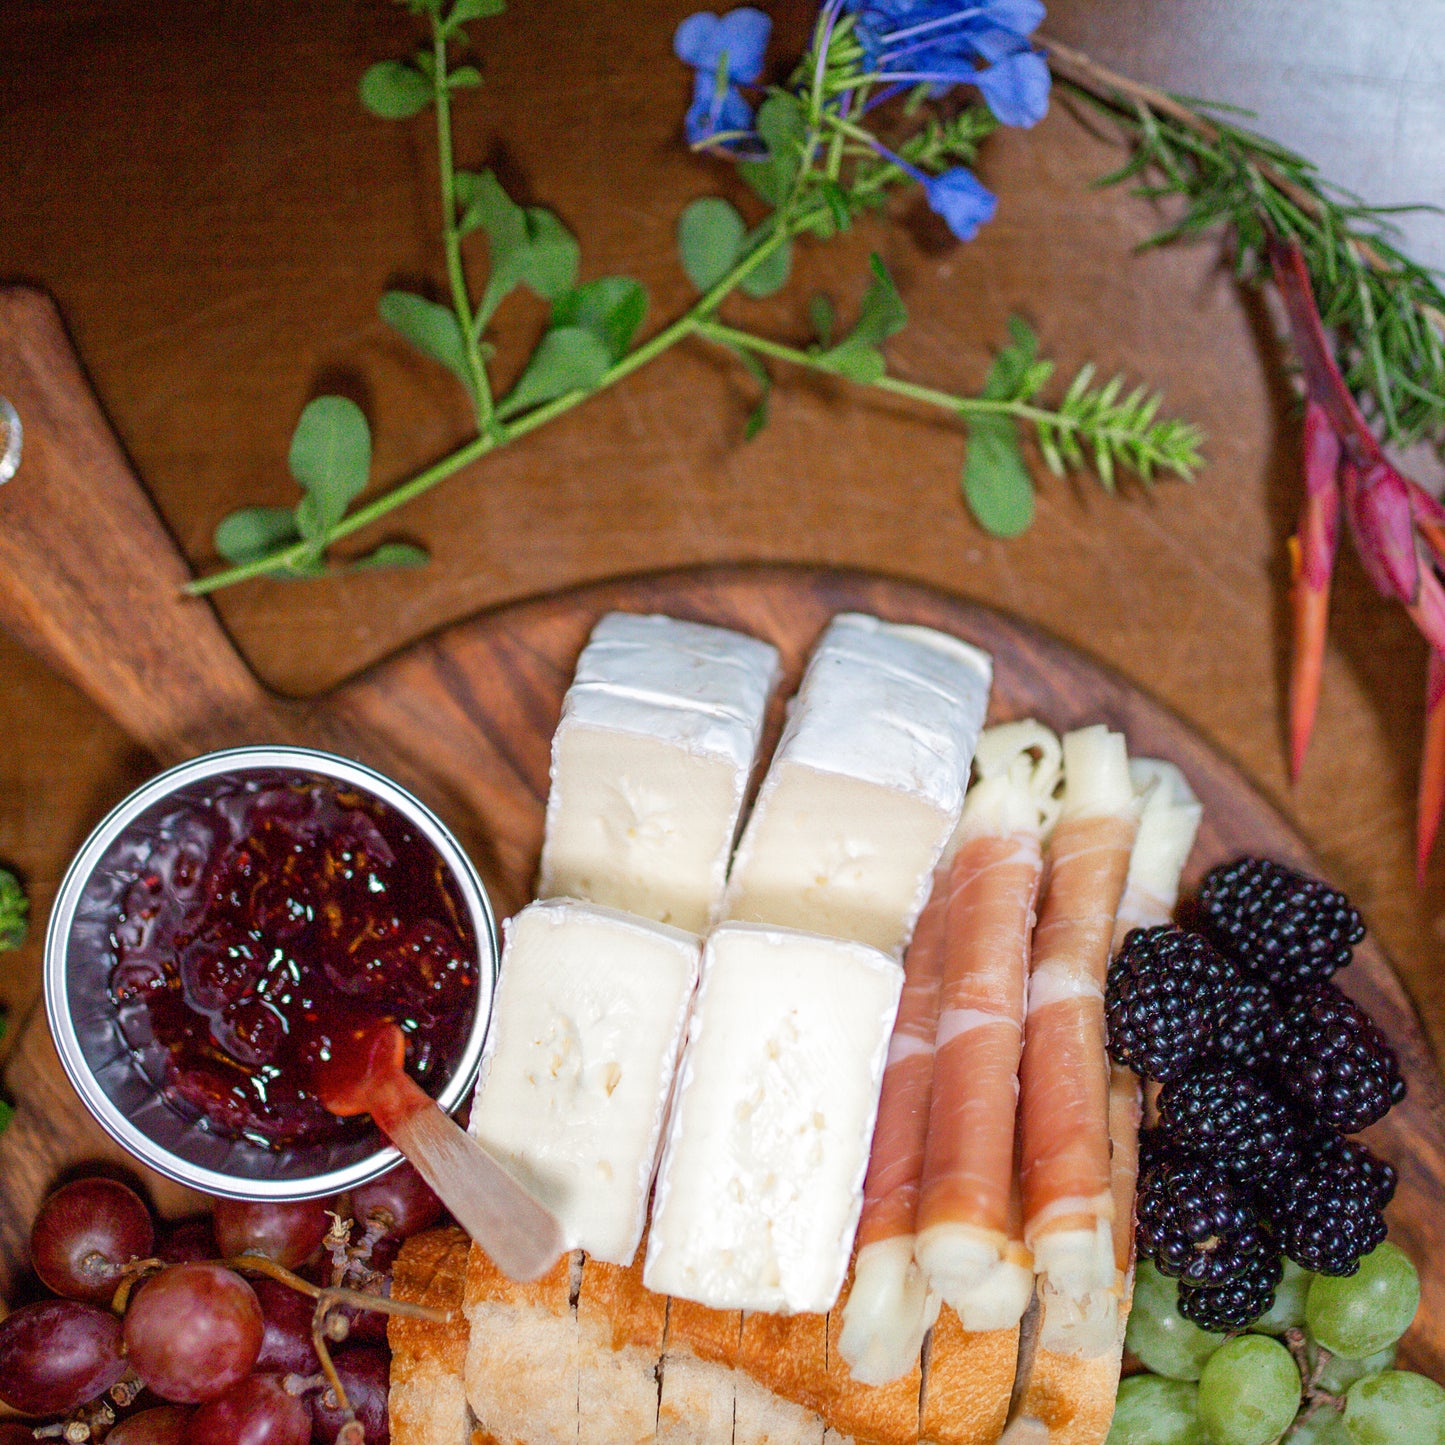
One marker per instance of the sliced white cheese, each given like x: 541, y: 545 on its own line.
x: 651, y: 763
x: 866, y: 785
x: 588, y: 1020
x: 761, y: 1179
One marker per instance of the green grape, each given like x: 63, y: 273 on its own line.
x: 1288, y: 1309
x: 1151, y: 1410
x: 1396, y: 1408
x: 1362, y: 1313
x: 1324, y: 1427
x: 1159, y: 1335
x: 1249, y: 1391
x: 1339, y: 1373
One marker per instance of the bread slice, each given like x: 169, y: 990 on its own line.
x: 428, y: 1400
x: 588, y: 1356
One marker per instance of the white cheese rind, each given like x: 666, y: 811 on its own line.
x: 866, y: 786
x: 651, y: 763
x: 761, y: 1180
x: 588, y: 1021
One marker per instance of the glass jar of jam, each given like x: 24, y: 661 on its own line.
x: 266, y: 924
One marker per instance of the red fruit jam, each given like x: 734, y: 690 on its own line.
x: 268, y: 926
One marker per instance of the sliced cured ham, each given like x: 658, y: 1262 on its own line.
x: 1064, y: 1171
x: 1053, y: 1369
x: 890, y: 1307
x: 969, y: 1240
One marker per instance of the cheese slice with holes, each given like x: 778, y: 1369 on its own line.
x: 587, y: 1024
x: 866, y: 785
x: 650, y: 765
x: 761, y: 1180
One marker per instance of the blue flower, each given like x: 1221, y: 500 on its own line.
x: 737, y: 41
x: 724, y: 51
x: 958, y: 42
x: 963, y: 201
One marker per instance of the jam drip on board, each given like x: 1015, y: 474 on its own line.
x: 262, y: 933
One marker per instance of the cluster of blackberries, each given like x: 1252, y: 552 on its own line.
x: 1265, y: 1066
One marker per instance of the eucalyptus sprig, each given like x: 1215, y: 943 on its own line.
x: 816, y: 166
x: 1386, y: 311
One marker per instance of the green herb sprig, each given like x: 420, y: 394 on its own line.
x: 1386, y: 311
x: 816, y: 172
x: 14, y: 908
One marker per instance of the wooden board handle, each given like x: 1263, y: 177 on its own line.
x: 89, y: 578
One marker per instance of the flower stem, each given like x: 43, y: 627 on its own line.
x: 451, y: 239
x: 497, y: 434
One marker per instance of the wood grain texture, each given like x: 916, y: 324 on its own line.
x: 218, y: 255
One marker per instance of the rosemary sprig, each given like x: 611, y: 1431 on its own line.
x: 1386, y: 310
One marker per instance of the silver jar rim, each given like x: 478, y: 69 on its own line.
x: 156, y: 1133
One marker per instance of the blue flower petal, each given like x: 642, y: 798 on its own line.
x: 711, y: 111
x: 1020, y: 16
x: 702, y: 39
x: 962, y: 200
x: 1016, y: 88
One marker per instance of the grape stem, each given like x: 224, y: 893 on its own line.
x: 336, y: 1294
x: 323, y: 1353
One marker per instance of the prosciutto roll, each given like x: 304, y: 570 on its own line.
x: 1065, y: 1174
x: 970, y: 1242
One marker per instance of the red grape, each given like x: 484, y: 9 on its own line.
x: 85, y: 1234
x: 58, y: 1354
x: 257, y: 1411
x: 164, y: 1425
x: 286, y: 1233
x: 188, y: 1241
x: 401, y: 1198
x: 193, y: 1331
x: 286, y: 1344
x: 363, y: 1370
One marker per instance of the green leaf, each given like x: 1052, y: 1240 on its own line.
x: 758, y: 417
x: 528, y: 247
x: 783, y: 129
x: 882, y: 313
x: 820, y: 315
x: 568, y: 358
x: 331, y: 458
x: 710, y: 236
x: 464, y: 77
x: 551, y: 256
x: 394, y: 90
x: 996, y: 484
x: 611, y: 308
x: 772, y: 273
x: 465, y: 11
x: 7, y: 1113
x: 432, y: 329
x: 390, y: 554
x: 14, y: 906
x: 856, y: 361
x: 255, y: 532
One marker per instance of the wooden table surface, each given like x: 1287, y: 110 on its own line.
x: 198, y: 188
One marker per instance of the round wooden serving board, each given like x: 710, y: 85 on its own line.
x: 465, y: 717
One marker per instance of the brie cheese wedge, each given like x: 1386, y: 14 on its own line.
x: 761, y: 1180
x: 650, y: 765
x: 866, y: 785
x: 588, y: 1020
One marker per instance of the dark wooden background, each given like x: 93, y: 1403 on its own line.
x: 197, y: 186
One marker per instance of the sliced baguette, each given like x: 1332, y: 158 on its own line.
x: 586, y: 1354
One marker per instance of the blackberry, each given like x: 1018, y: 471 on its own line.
x: 1336, y: 1063
x: 1166, y: 991
x: 1328, y: 1213
x: 1220, y: 1113
x: 1248, y: 1033
x: 1283, y: 927
x: 1199, y: 1225
x: 1156, y: 1147
x: 1234, y: 1306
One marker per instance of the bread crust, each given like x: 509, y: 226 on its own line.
x: 587, y: 1354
